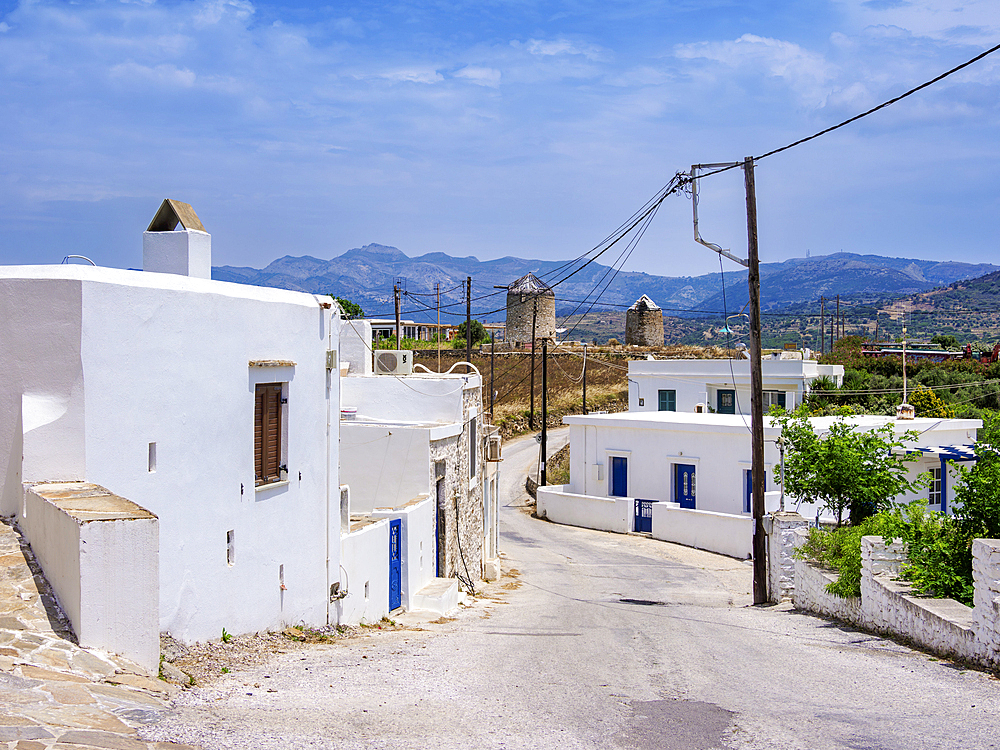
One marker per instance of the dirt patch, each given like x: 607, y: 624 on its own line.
x: 201, y: 663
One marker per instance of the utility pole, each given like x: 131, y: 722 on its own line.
x: 822, y: 325
x: 833, y: 323
x: 545, y: 405
x: 399, y: 331
x: 493, y: 356
x: 534, y: 319
x: 468, y: 319
x: 584, y: 378
x: 756, y: 393
x: 838, y: 321
x: 439, y: 325
x: 876, y: 326
x: 752, y: 263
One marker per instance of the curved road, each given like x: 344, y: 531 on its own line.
x: 600, y: 640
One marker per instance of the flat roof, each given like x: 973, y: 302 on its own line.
x: 691, y: 421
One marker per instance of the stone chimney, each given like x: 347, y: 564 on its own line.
x: 176, y: 242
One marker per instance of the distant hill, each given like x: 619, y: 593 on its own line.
x: 365, y: 275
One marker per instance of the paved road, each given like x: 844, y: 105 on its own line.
x: 601, y: 641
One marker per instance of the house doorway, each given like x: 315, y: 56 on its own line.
x: 644, y: 516
x: 395, y: 566
x: 684, y: 485
x: 440, y: 529
x: 725, y: 401
x: 619, y: 476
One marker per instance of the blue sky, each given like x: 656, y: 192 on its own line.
x: 495, y: 128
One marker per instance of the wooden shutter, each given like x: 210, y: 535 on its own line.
x: 267, y: 432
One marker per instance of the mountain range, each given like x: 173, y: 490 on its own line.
x: 366, y: 275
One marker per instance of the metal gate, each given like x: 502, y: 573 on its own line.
x: 644, y: 515
x: 395, y: 570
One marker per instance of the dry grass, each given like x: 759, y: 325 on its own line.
x: 607, y: 379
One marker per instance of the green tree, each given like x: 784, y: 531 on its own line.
x: 479, y: 333
x: 845, y: 470
x: 945, y: 341
x: 352, y: 310
x: 928, y: 404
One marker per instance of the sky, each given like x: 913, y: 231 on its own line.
x: 496, y: 127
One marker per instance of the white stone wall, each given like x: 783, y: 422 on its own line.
x: 888, y: 605
x: 986, y: 577
x: 781, y: 534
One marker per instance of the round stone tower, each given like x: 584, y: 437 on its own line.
x: 644, y: 323
x: 530, y: 298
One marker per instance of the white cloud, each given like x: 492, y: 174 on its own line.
x: 4, y: 26
x: 479, y: 75
x: 213, y: 11
x: 971, y: 21
x: 806, y: 72
x: 413, y: 75
x: 551, y: 48
x: 163, y: 74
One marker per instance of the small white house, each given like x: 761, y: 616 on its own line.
x: 630, y: 467
x: 214, y: 406
x: 721, y: 385
x: 413, y: 457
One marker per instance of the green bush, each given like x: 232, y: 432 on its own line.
x: 840, y: 549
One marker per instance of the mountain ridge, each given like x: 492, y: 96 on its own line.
x: 366, y: 275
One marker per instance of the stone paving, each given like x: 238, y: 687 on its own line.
x: 53, y: 693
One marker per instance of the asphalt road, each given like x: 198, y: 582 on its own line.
x: 600, y: 640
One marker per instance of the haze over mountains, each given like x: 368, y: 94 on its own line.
x: 365, y: 275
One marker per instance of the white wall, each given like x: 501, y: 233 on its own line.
x: 356, y: 347
x: 724, y: 533
x: 697, y: 381
x: 417, y: 546
x: 386, y: 467
x: 166, y: 359
x: 557, y: 504
x: 42, y: 318
x: 364, y: 560
x: 412, y: 399
x: 99, y: 554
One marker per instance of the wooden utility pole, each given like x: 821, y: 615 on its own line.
x: 545, y: 406
x: 838, y: 321
x: 584, y: 378
x: 468, y: 319
x: 439, y: 325
x: 822, y: 325
x: 756, y: 394
x: 399, y: 331
x: 531, y: 408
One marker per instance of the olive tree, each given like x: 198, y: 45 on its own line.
x: 845, y: 469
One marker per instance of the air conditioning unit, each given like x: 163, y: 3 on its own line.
x: 493, y: 448
x: 393, y: 362
x: 699, y: 408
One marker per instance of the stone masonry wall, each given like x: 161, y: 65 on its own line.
x: 463, y: 500
x: 644, y: 327
x: 986, y: 577
x: 781, y: 559
x: 888, y: 605
x: 520, y: 312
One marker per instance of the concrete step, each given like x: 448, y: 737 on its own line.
x: 440, y: 596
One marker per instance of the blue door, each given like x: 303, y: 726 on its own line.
x: 748, y: 489
x: 395, y: 569
x: 684, y: 485
x: 619, y: 476
x: 644, y: 515
x: 725, y: 402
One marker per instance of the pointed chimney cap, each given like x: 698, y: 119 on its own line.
x: 171, y: 213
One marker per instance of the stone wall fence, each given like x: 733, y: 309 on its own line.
x: 888, y: 605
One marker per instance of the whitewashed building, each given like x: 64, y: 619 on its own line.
x: 214, y: 406
x: 413, y: 459
x: 721, y: 385
x: 686, y: 477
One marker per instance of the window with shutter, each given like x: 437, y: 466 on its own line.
x: 267, y: 433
